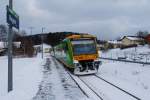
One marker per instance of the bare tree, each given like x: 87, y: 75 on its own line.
x: 3, y: 33
x: 142, y: 34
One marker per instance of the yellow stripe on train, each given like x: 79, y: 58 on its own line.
x: 86, y: 57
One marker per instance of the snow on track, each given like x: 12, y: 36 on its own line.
x: 50, y: 85
x: 72, y: 92
x: 102, y: 87
x: 85, y: 88
x: 118, y: 88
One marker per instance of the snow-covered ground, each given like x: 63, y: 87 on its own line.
x: 38, y: 79
x: 57, y: 85
x: 140, y: 53
x: 27, y: 74
x: 134, y: 78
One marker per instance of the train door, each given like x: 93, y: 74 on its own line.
x: 68, y: 55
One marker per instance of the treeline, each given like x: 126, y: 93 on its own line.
x: 55, y: 38
x: 4, y: 33
x: 51, y: 38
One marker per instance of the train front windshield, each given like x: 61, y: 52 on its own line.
x: 84, y: 46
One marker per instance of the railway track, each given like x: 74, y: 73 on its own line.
x: 109, y: 90
x: 137, y: 98
x: 76, y: 80
x: 129, y: 61
x: 95, y: 91
x: 91, y: 89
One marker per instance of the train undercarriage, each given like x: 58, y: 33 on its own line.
x: 86, y: 67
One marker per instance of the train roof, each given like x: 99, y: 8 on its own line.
x: 80, y: 36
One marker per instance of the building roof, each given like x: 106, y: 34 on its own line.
x: 46, y: 46
x: 17, y: 44
x: 1, y: 44
x: 132, y: 38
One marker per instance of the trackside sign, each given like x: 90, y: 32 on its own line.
x: 12, y: 18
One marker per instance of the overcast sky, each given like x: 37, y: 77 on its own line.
x: 108, y: 19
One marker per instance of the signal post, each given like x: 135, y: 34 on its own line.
x: 13, y: 21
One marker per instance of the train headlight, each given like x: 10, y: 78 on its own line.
x: 76, y: 63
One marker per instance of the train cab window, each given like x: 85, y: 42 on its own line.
x: 84, y: 47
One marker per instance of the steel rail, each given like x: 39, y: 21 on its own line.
x: 121, y: 60
x: 91, y: 89
x: 78, y: 84
x: 118, y: 87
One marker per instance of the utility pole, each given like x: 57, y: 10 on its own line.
x: 10, y: 69
x: 42, y: 40
x: 31, y: 28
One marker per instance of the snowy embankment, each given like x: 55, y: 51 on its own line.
x: 27, y: 75
x: 140, y: 53
x: 134, y: 78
